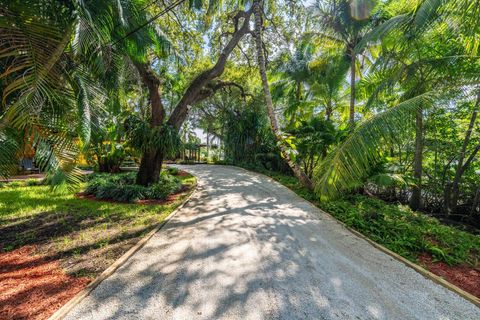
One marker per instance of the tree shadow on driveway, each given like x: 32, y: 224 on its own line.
x: 244, y: 248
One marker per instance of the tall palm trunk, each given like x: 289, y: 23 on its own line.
x: 297, y: 170
x: 416, y: 198
x: 352, y: 89
x: 328, y: 110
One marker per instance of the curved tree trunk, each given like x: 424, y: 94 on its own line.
x: 151, y: 163
x: 193, y: 94
x: 297, y: 170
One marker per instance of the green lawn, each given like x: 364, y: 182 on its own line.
x: 86, y: 235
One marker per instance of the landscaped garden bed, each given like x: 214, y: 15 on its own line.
x: 54, y: 242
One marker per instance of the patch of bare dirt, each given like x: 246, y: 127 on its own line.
x: 33, y: 287
x: 463, y: 276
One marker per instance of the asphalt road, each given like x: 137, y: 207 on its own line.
x: 247, y: 248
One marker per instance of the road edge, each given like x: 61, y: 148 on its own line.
x: 424, y: 272
x: 66, y: 308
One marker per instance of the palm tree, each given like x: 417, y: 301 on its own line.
x: 294, y: 76
x: 423, y: 76
x: 346, y: 22
x: 43, y: 87
x: 328, y: 80
x: 60, y: 57
x: 60, y: 63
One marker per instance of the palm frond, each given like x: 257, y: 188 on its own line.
x: 347, y: 166
x: 427, y: 12
x: 56, y: 154
x: 9, y: 147
x: 394, y: 24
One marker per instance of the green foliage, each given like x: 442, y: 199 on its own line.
x: 122, y: 187
x: 246, y: 132
x: 348, y: 166
x: 16, y: 184
x: 405, y: 232
x: 248, y: 137
x: 167, y: 185
x: 108, y: 148
x: 32, y: 182
x: 143, y: 137
x: 173, y: 171
x: 76, y: 229
x: 9, y: 145
x: 312, y: 138
x: 62, y: 61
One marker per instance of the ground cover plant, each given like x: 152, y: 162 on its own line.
x: 121, y: 187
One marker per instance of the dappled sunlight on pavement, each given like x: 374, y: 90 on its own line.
x: 247, y: 248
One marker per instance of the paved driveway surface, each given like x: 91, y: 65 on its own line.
x: 247, y: 248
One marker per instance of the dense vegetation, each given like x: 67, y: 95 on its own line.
x: 369, y: 97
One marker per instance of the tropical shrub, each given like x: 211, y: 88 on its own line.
x: 121, y: 187
x: 173, y: 171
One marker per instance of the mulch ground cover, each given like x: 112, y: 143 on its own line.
x: 32, y: 286
x: 463, y: 276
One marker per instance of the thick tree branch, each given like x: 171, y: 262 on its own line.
x: 210, y: 89
x: 151, y: 81
x: 198, y: 84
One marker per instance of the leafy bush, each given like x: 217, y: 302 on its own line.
x: 406, y: 232
x: 168, y: 185
x: 173, y: 171
x: 122, y: 187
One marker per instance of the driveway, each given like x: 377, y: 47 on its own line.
x: 247, y: 248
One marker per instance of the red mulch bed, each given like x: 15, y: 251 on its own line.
x: 33, y: 287
x: 182, y: 173
x: 462, y: 276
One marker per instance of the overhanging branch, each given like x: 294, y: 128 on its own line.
x: 210, y: 89
x: 241, y: 27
